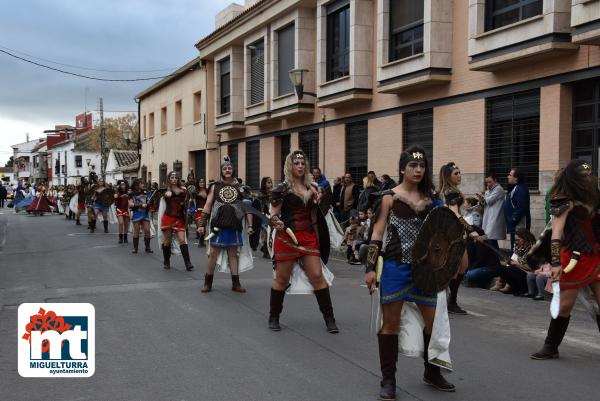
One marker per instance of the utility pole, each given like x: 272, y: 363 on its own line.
x: 102, y: 140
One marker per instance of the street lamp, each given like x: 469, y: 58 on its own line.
x: 127, y: 134
x: 297, y: 78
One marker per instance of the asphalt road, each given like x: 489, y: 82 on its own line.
x: 159, y: 338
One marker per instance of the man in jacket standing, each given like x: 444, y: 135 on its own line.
x: 348, y: 199
x: 516, y: 205
x: 493, y: 225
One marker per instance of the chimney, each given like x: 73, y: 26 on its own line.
x: 227, y: 14
x: 27, y: 137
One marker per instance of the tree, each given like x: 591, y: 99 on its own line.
x: 10, y: 162
x: 114, y: 128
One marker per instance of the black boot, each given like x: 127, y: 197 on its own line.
x: 186, y: 256
x: 432, y: 374
x: 452, y: 304
x: 125, y: 238
x: 235, y: 284
x: 598, y: 321
x: 105, y: 226
x: 166, y: 256
x: 121, y: 239
x: 93, y: 225
x: 388, y: 356
x: 324, y: 300
x: 208, y: 280
x: 147, y: 244
x: 77, y: 222
x: 136, y: 242
x: 275, y: 309
x: 556, y: 332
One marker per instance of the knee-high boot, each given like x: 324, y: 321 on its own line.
x: 432, y: 374
x: 388, y: 357
x: 166, y: 256
x: 598, y: 321
x: 147, y: 245
x: 276, y: 306
x: 235, y: 284
x: 185, y: 252
x: 105, y: 223
x: 120, y: 238
x: 125, y: 239
x: 326, y: 308
x: 136, y: 242
x: 208, y: 281
x: 556, y: 333
x: 452, y: 303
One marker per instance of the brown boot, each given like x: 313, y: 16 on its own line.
x: 235, y: 284
x: 208, y: 280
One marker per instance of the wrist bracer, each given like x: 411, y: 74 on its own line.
x: 373, y: 252
x: 203, y: 220
x: 555, y: 245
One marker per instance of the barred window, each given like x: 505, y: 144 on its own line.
x: 406, y: 28
x: 78, y: 161
x: 309, y: 143
x: 513, y: 136
x: 500, y: 13
x: 586, y: 121
x: 257, y: 72
x: 162, y: 175
x: 285, y: 150
x: 418, y: 130
x: 253, y: 164
x: 232, y: 152
x: 357, y: 150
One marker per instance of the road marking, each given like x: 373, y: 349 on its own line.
x: 476, y: 314
x: 105, y: 246
x: 98, y: 233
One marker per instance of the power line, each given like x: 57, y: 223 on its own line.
x: 80, y: 67
x: 81, y: 75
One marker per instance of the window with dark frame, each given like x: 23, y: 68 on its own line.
x: 418, y: 130
x: 253, y: 164
x: 225, y: 84
x: 162, y: 175
x: 257, y: 72
x: 357, y: 151
x: 586, y: 122
x: 232, y: 152
x: 285, y: 62
x: 78, y: 161
x: 285, y: 148
x: 338, y: 40
x: 406, y: 28
x: 499, y: 13
x: 309, y: 143
x: 513, y: 136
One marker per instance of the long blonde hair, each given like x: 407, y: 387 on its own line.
x: 289, y: 164
x: 445, y: 186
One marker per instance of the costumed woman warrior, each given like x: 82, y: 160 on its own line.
x: 122, y: 205
x: 450, y: 179
x: 201, y: 196
x: 102, y: 203
x: 78, y: 200
x: 171, y: 219
x: 295, y: 207
x: 400, y: 217
x: 90, y: 197
x: 41, y: 203
x: 227, y: 217
x: 138, y: 201
x: 575, y: 224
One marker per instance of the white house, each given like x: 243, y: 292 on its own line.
x: 22, y: 153
x: 121, y: 164
x: 72, y: 159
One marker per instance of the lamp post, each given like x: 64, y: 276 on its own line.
x: 297, y: 78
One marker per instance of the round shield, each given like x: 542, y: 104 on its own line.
x: 106, y: 197
x: 438, y: 250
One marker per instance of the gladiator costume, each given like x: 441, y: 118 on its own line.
x: 578, y: 255
x: 122, y: 207
x: 173, y: 218
x: 139, y: 214
x: 392, y: 260
x: 102, y: 203
x: 305, y: 233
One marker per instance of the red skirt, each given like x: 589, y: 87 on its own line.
x: 80, y: 205
x: 122, y: 212
x: 286, y: 249
x: 585, y: 272
x: 172, y: 223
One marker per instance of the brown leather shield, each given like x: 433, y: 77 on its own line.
x: 106, y: 197
x: 438, y: 251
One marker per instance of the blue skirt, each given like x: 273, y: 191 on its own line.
x: 397, y: 284
x: 140, y: 215
x: 101, y: 207
x: 227, y: 238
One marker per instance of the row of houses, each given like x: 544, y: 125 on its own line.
x: 67, y: 154
x: 488, y: 85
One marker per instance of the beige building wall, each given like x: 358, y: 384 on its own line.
x: 175, y: 143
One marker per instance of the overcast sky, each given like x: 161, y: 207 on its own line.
x: 104, y: 35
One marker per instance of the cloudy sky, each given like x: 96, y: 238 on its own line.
x: 153, y: 36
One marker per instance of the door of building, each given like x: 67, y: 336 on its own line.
x: 200, y: 164
x: 586, y: 122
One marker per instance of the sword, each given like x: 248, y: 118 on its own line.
x: 252, y: 210
x: 374, y: 298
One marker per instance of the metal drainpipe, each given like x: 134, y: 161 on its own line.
x: 139, y: 138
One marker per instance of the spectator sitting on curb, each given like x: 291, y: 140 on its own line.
x: 537, y: 280
x: 351, y: 234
